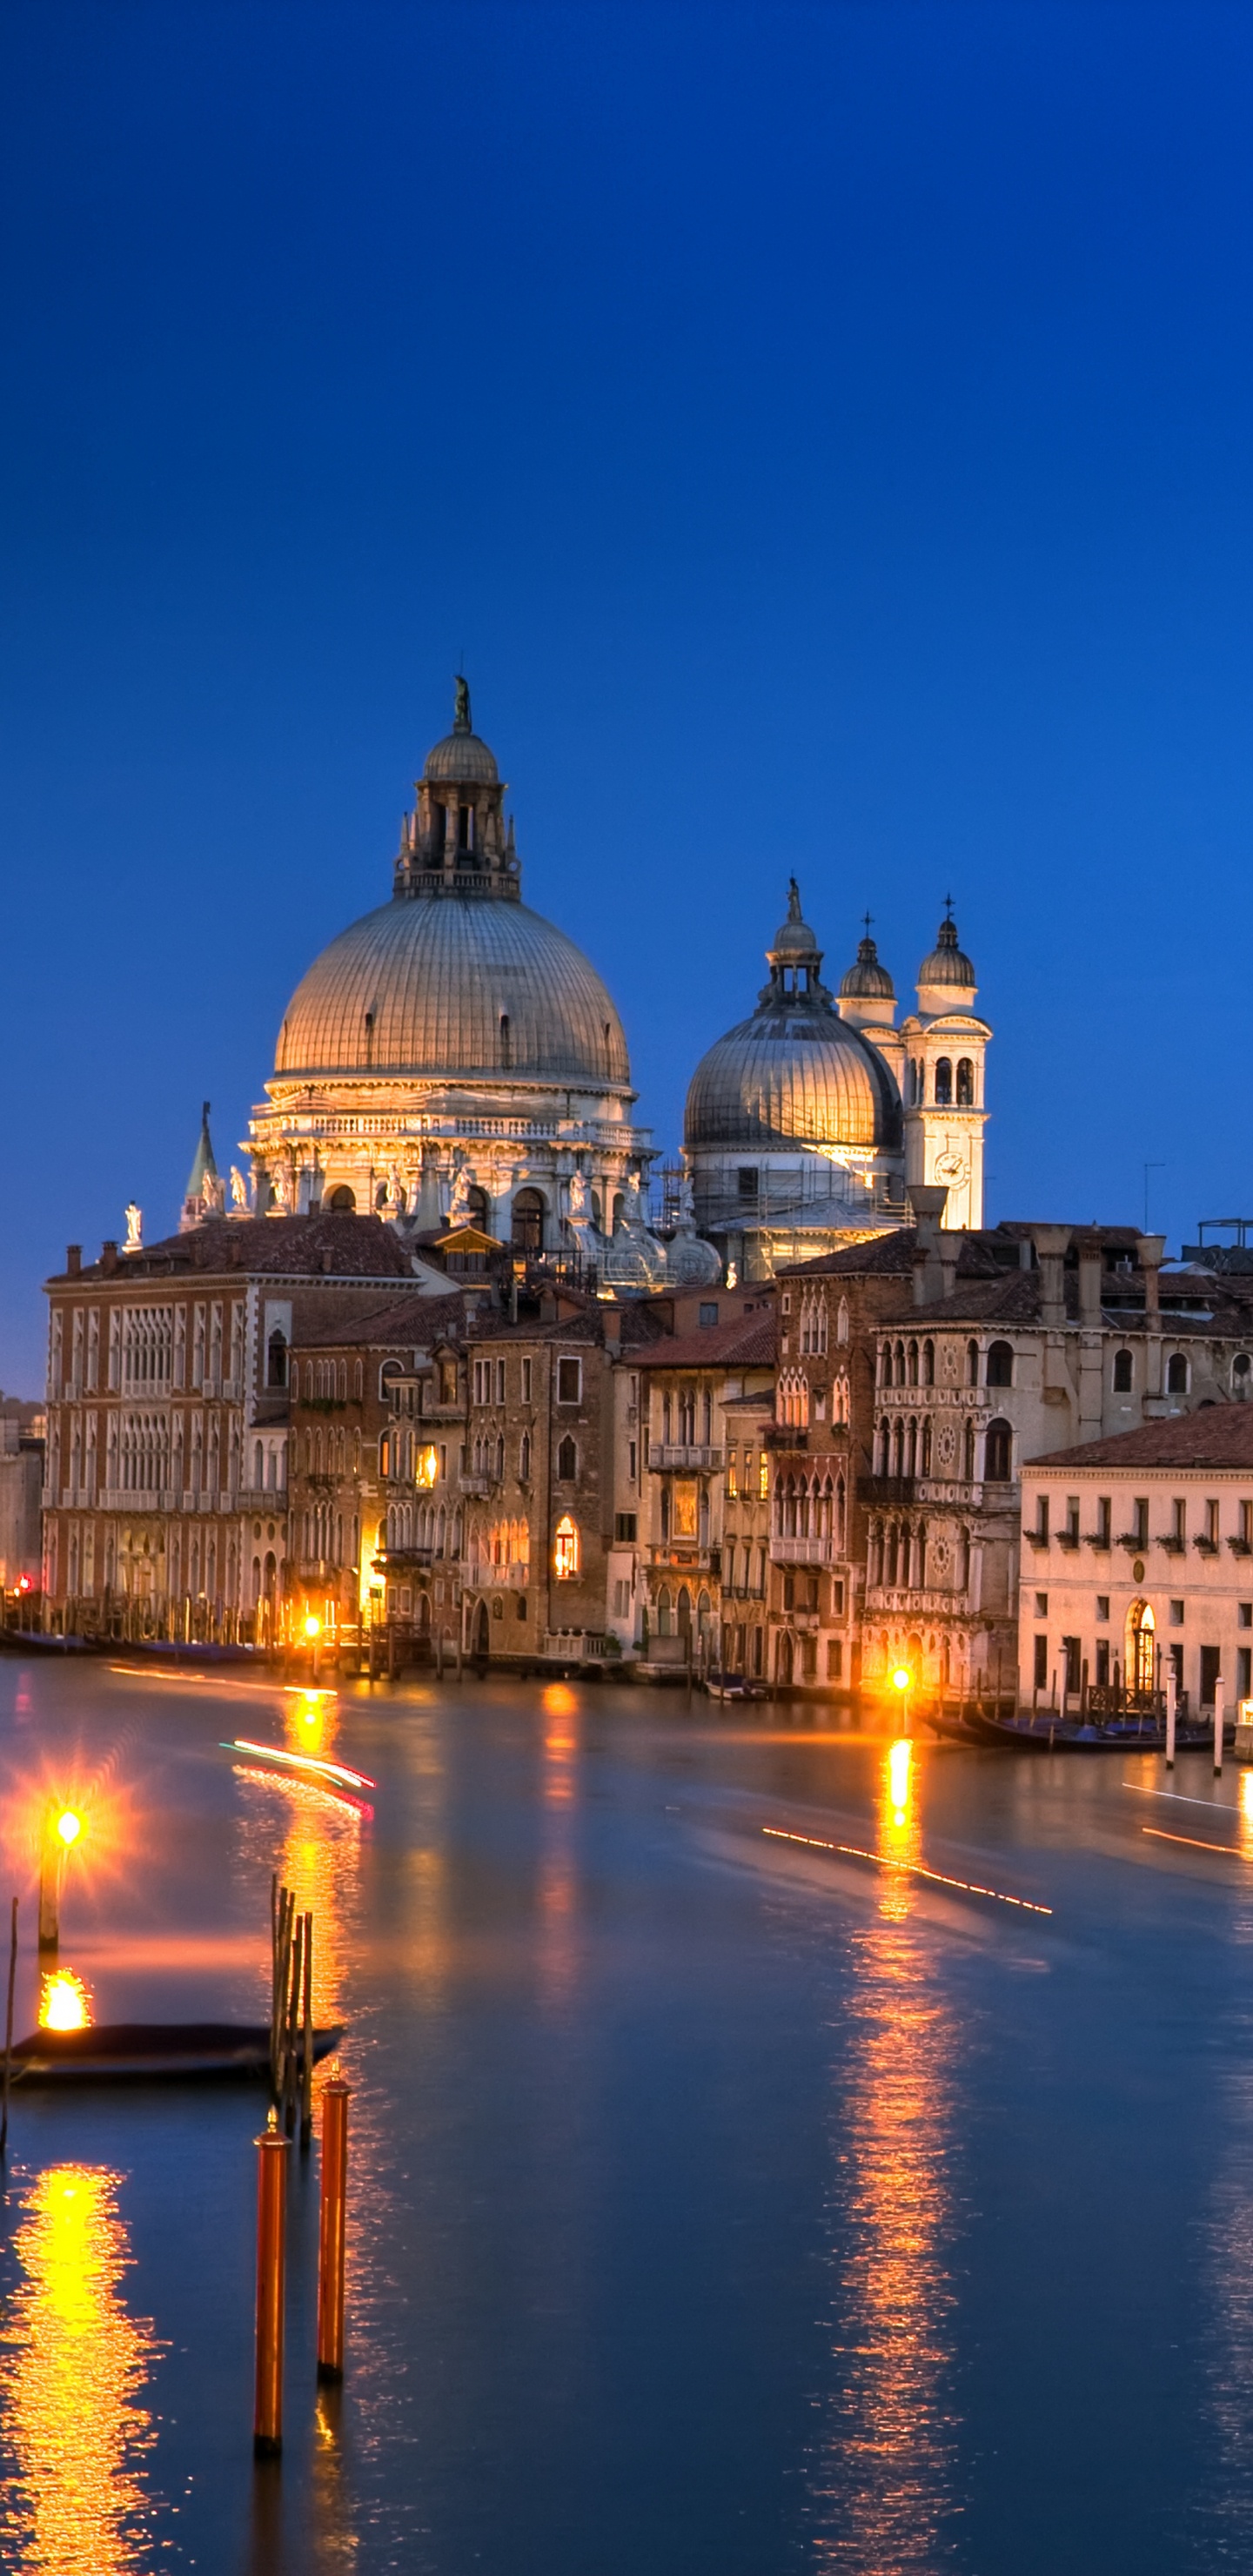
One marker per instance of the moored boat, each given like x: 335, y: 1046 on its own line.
x: 155, y: 2052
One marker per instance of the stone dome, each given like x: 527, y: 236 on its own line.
x: 452, y: 987
x: 795, y: 1075
x: 867, y: 980
x: 947, y: 963
x: 462, y: 756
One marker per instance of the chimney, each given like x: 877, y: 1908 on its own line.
x: 611, y: 1318
x: 108, y: 1258
x: 74, y: 1259
x: 1091, y: 1264
x: 931, y: 1269
x: 1149, y: 1251
x: 1051, y: 1244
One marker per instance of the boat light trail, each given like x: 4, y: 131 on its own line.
x: 908, y: 1868
x: 1228, y: 1851
x: 302, y: 1762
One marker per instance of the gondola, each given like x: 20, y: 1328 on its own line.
x: 155, y: 2052
x: 1052, y: 1734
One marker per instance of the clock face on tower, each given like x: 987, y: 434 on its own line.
x: 950, y: 1167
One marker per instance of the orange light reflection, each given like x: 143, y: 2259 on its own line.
x: 64, y: 2001
x: 72, y: 2368
x: 881, y: 2485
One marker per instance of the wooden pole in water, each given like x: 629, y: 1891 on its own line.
x: 49, y: 1890
x: 1218, y: 1724
x: 306, y: 2042
x: 273, y: 1975
x: 333, y: 2230
x: 267, y: 2417
x: 279, y: 2015
x: 292, y: 2066
x: 8, y: 2032
x: 1171, y: 1699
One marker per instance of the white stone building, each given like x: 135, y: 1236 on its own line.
x: 1137, y: 1557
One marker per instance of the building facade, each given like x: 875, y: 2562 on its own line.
x: 1138, y: 1562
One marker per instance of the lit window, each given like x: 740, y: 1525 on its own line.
x: 566, y: 1548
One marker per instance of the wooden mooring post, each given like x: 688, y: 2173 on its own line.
x: 332, y: 2236
x: 267, y: 2415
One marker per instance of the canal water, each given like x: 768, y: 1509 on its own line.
x: 771, y: 2150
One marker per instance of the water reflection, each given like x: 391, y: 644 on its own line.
x: 72, y: 2367
x: 880, y: 2491
x: 557, y: 1885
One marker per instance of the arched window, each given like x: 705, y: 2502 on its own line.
x: 841, y: 1321
x: 898, y: 1365
x: 943, y: 1083
x: 342, y: 1201
x: 928, y: 1364
x: 911, y: 1364
x: 972, y: 1363
x: 1000, y: 1364
x: 1176, y: 1374
x: 527, y: 1228
x: 998, y: 1454
x: 885, y: 1436
x: 258, y: 1467
x: 911, y: 1458
x: 968, y: 1453
x: 1123, y: 1372
x: 478, y: 1210
x: 965, y: 1083
x: 276, y: 1359
x: 663, y: 1612
x: 924, y: 1461
x: 1240, y: 1372
x: 565, y: 1548
x: 898, y: 1448
x: 1140, y: 1666
x: 524, y: 1459
x: 567, y: 1460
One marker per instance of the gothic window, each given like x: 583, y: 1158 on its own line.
x: 276, y: 1358
x: 1176, y: 1374
x: 968, y: 1453
x: 998, y: 1449
x: 524, y: 1459
x: 965, y: 1083
x: 1000, y: 1364
x: 928, y: 1364
x: 924, y: 1462
x: 943, y: 1083
x: 912, y: 1364
x: 841, y: 1321
x: 1123, y: 1368
x: 1240, y: 1372
x: 884, y: 1452
x: 566, y: 1549
x: 898, y: 1365
x: 972, y: 1363
x: 898, y: 1449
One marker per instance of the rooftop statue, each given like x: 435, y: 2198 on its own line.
x: 461, y: 706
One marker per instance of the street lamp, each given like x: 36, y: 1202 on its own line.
x: 61, y: 1832
x: 313, y: 1630
x: 902, y: 1680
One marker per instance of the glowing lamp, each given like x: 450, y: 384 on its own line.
x: 902, y: 1678
x: 69, y: 1827
x: 313, y: 1627
x: 23, y: 1583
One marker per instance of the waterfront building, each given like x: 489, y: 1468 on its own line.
x: 805, y: 1123
x: 707, y: 1395
x: 21, y: 1498
x: 166, y: 1476
x: 453, y: 1058
x: 1137, y: 1560
x: 967, y: 1355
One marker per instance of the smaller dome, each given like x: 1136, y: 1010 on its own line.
x: 462, y: 755
x: 947, y: 963
x: 794, y: 938
x: 867, y: 980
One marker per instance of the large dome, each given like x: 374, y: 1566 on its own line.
x: 456, y: 986
x: 792, y: 1077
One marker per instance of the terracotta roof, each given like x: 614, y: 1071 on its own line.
x: 337, y: 1247
x: 746, y: 1342
x: 404, y: 1323
x: 1217, y: 1435
x: 883, y: 1255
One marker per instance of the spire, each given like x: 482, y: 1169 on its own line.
x: 203, y: 1166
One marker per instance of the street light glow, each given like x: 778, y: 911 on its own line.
x: 313, y: 1626
x: 902, y: 1678
x: 69, y: 1827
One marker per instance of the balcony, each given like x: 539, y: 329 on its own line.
x: 479, y: 1487
x: 887, y: 1492
x: 802, y: 1551
x: 687, y: 1457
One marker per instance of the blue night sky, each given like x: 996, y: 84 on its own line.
x: 823, y: 437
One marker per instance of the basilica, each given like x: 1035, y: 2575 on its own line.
x: 453, y: 1059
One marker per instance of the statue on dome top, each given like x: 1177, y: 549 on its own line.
x: 461, y: 706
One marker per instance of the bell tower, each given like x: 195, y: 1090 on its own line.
x: 945, y: 1113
